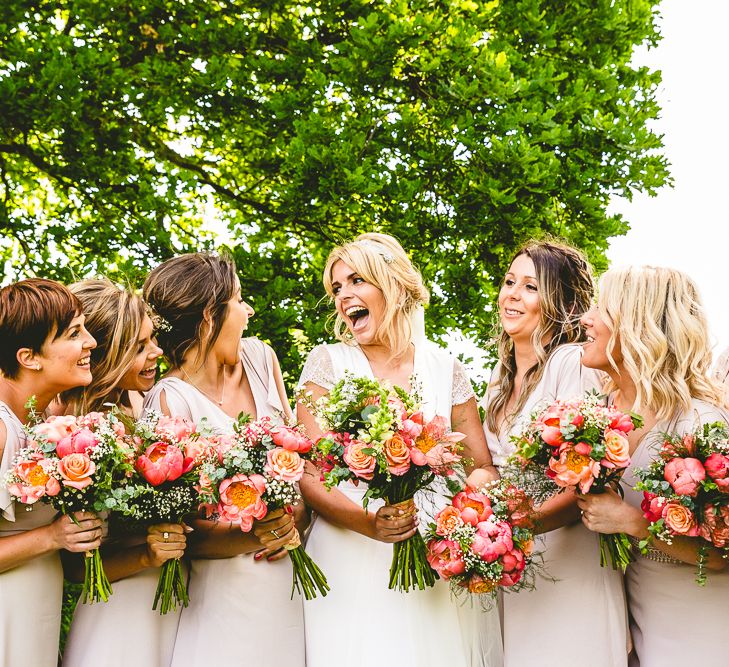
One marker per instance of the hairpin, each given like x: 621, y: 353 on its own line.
x: 377, y: 247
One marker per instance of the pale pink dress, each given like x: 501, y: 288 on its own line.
x: 361, y: 623
x: 580, y: 617
x: 674, y: 622
x: 241, y: 611
x: 30, y: 594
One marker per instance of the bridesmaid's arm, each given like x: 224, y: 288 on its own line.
x: 559, y: 511
x: 281, y: 387
x: 386, y: 525
x: 608, y: 513
x: 465, y: 419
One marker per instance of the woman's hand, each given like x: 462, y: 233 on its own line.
x: 608, y: 513
x: 276, y: 530
x: 395, y: 523
x: 84, y: 535
x: 165, y: 541
x: 301, y: 520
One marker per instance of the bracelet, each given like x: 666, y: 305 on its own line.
x: 651, y: 553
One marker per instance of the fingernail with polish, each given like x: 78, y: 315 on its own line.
x: 289, y: 509
x: 257, y: 556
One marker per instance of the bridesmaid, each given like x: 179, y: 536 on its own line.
x: 377, y: 295
x: 659, y: 366
x: 545, y: 291
x: 239, y: 610
x: 45, y: 350
x: 124, y: 362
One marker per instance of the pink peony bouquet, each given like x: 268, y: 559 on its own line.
x: 686, y: 490
x: 377, y: 434
x: 168, y: 452
x: 74, y: 464
x: 580, y: 444
x: 483, y: 540
x: 255, y: 471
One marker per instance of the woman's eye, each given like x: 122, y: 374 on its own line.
x: 532, y: 288
x: 75, y: 333
x: 335, y: 290
x: 357, y: 281
x: 508, y: 282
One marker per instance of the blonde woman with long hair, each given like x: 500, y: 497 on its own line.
x: 124, y: 364
x: 377, y: 296
x: 545, y: 291
x: 648, y: 332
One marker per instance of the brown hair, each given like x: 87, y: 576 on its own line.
x: 186, y: 291
x: 565, y: 288
x: 31, y: 311
x: 114, y: 317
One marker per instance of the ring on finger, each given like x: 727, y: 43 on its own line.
x: 275, y: 534
x: 165, y: 536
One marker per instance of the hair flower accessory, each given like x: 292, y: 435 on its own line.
x: 379, y: 248
x: 158, y: 322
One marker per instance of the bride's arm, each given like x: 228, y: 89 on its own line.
x: 386, y: 525
x: 465, y: 419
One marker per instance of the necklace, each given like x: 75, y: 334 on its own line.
x: 212, y: 398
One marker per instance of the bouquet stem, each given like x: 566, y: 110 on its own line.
x: 410, y: 567
x: 308, y: 578
x: 171, y: 588
x: 96, y: 584
x: 616, y: 550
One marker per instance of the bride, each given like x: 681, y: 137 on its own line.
x: 376, y: 293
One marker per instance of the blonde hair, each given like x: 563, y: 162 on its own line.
x: 114, y: 316
x: 381, y: 261
x: 565, y: 288
x: 659, y: 327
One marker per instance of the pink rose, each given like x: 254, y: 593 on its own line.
x: 715, y: 528
x: 412, y: 426
x: 240, y: 500
x: 684, y: 475
x: 283, y: 464
x: 397, y: 455
x: 76, y: 470
x: 56, y: 428
x: 35, y: 481
x: 160, y: 463
x: 493, y: 539
x: 622, y: 422
x: 680, y: 519
x: 573, y: 469
x: 178, y: 428
x: 446, y: 558
x: 652, y: 506
x: 617, y: 450
x: 361, y: 464
x: 717, y: 467
x: 474, y: 507
x: 291, y: 439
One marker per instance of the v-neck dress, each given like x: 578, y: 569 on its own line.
x: 586, y: 598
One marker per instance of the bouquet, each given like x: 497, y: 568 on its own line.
x: 253, y: 472
x: 168, y: 452
x: 483, y: 540
x: 74, y: 464
x: 686, y: 491
x: 376, y: 434
x: 581, y: 444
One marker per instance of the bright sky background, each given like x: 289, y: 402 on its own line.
x: 687, y: 226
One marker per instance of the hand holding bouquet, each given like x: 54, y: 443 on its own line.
x: 168, y: 452
x: 581, y: 444
x: 686, y: 490
x: 74, y: 464
x: 483, y: 540
x: 377, y: 434
x: 255, y: 471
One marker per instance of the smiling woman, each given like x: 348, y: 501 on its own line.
x: 45, y: 350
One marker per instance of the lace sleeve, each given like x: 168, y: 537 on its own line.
x: 318, y: 369
x: 462, y: 390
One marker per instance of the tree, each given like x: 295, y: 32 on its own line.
x: 461, y: 127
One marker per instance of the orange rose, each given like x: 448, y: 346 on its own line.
x: 284, y: 465
x: 447, y: 520
x: 680, y: 519
x: 617, y: 450
x: 76, y: 470
x: 397, y: 455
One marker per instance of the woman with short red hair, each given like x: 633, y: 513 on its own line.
x: 44, y: 350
